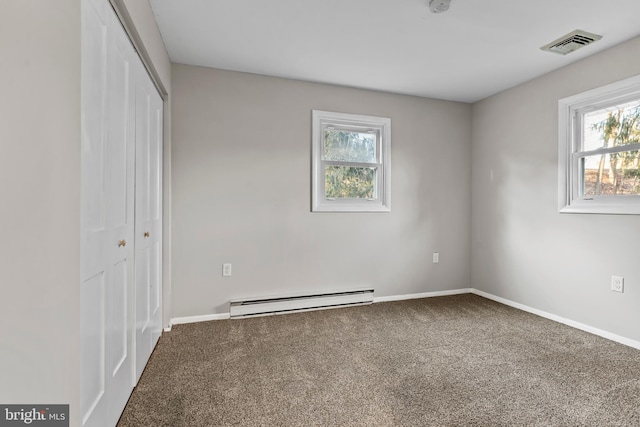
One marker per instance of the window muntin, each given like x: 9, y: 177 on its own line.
x: 351, y: 162
x: 599, y: 145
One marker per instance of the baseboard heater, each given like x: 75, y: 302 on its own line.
x: 301, y: 302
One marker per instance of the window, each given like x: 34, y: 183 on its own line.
x: 599, y: 146
x: 351, y: 163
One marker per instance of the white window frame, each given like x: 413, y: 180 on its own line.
x: 382, y: 127
x: 570, y: 115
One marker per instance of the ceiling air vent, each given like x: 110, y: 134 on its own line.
x: 570, y: 42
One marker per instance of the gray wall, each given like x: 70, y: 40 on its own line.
x: 241, y: 193
x: 522, y: 248
x: 40, y: 197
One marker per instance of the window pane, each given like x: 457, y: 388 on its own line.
x: 349, y: 146
x: 611, y: 174
x: 349, y: 182
x: 612, y: 126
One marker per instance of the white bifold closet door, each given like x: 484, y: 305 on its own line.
x: 148, y: 222
x: 120, y: 216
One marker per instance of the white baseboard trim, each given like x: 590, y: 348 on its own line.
x: 196, y: 319
x: 559, y: 319
x: 422, y: 295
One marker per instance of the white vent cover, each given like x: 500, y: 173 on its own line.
x: 570, y: 42
x: 439, y: 6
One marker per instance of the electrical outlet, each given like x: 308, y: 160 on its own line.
x: 226, y: 270
x: 436, y: 257
x: 617, y: 284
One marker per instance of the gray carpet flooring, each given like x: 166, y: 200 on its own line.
x: 450, y: 361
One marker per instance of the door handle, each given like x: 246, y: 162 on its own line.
x: 122, y: 243
x: 146, y: 234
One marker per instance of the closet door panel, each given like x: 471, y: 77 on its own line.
x: 120, y: 167
x: 148, y: 219
x: 143, y: 267
x: 94, y: 269
x: 155, y: 153
x: 119, y: 318
x: 93, y: 371
x: 108, y: 162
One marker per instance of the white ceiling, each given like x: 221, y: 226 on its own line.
x: 476, y: 49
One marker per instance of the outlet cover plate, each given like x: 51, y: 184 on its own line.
x: 226, y: 270
x: 617, y: 284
